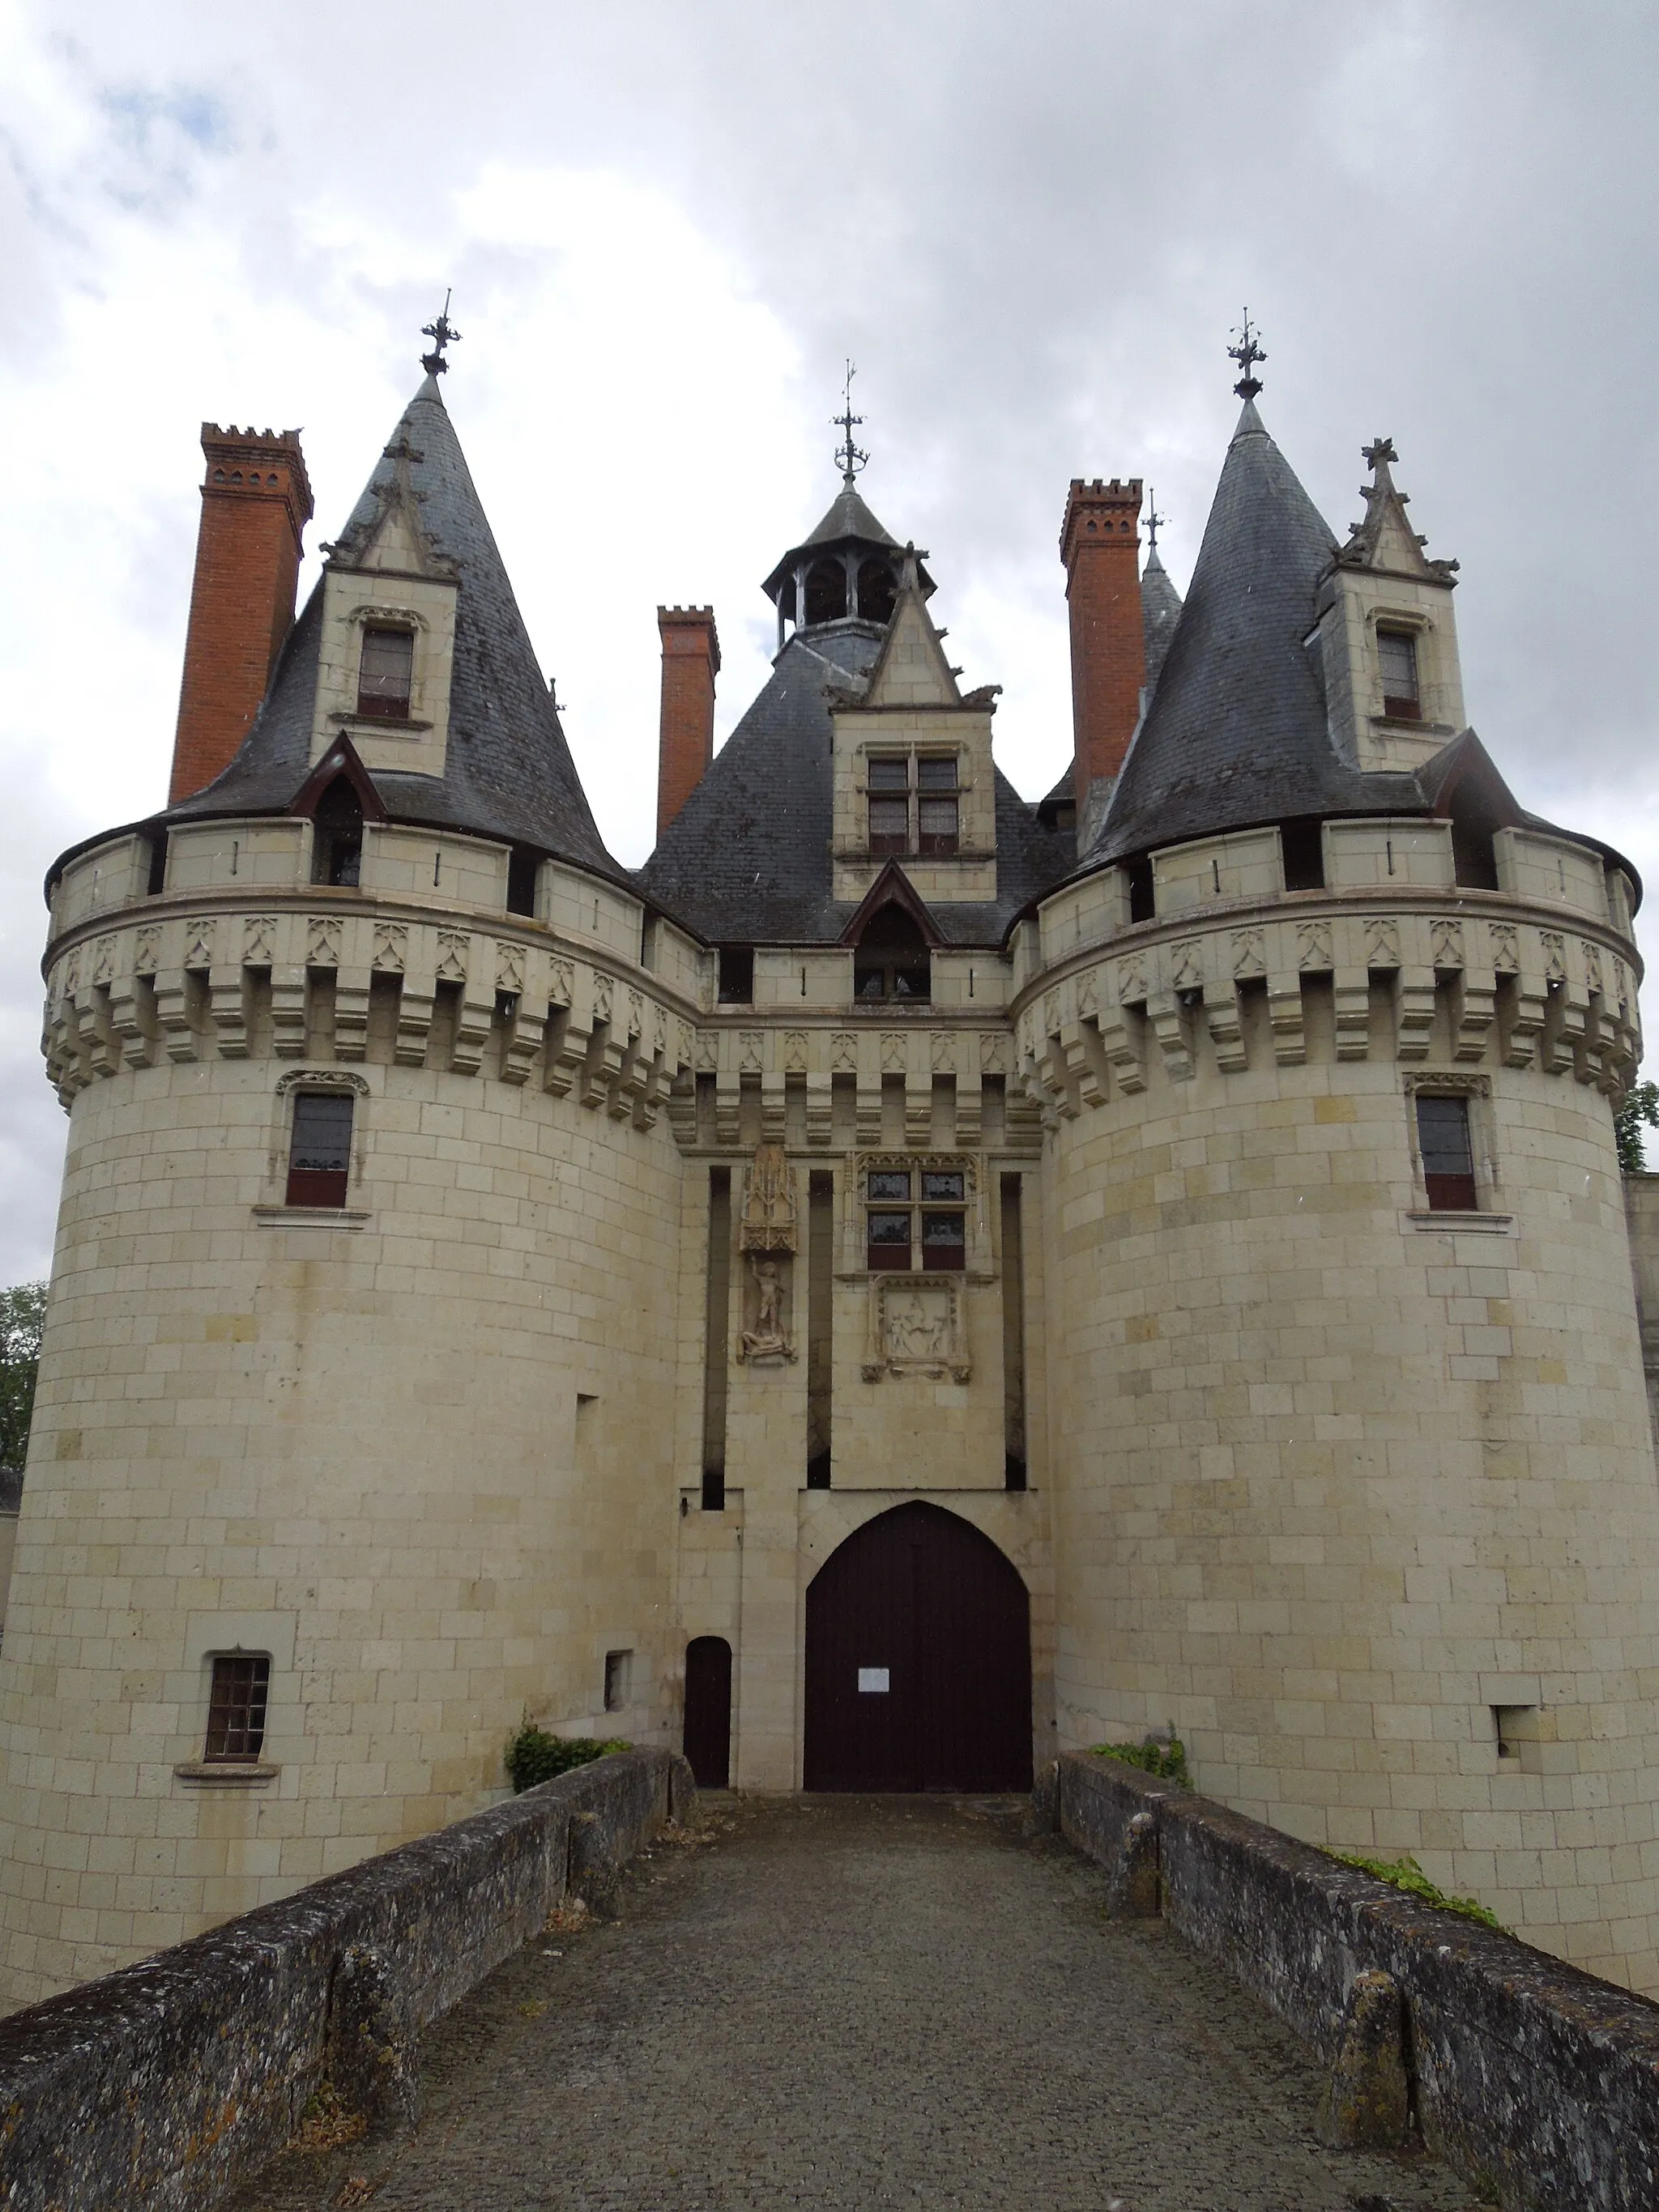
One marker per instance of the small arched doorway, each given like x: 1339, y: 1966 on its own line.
x: 707, y: 1737
x: 918, y: 1660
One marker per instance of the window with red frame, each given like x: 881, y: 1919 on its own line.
x: 319, y: 1149
x: 1442, y: 1137
x: 902, y: 1232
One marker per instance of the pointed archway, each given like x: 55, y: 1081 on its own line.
x: 918, y: 1660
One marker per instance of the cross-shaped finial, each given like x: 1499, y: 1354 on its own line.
x: 1378, y: 453
x: 849, y: 458
x: 1155, y: 521
x: 1246, y: 352
x: 442, y: 332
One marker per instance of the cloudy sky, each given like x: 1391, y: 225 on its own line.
x: 666, y: 225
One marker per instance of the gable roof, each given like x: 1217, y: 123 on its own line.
x: 508, y: 772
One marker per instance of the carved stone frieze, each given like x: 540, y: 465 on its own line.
x: 391, y: 948
x: 259, y: 940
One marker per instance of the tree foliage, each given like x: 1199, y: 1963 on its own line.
x: 1641, y: 1107
x: 22, y: 1309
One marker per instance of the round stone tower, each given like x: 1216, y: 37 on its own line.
x: 353, y: 1438
x: 1353, y: 1481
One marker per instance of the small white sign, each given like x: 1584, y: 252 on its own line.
x: 873, y: 1678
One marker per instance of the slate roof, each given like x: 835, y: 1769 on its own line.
x: 1236, y: 733
x: 508, y: 771
x: 1160, y: 610
x: 747, y: 859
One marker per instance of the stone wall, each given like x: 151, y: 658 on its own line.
x: 1358, y: 1493
x: 1539, y: 2084
x: 164, y: 2087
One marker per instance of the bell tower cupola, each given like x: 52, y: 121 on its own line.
x: 849, y: 569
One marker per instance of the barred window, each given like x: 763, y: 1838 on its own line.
x: 236, y: 1706
x: 1443, y: 1136
x: 385, y: 674
x: 1396, y: 653
x: 319, y: 1149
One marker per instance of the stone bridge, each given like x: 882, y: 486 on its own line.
x: 1120, y: 1999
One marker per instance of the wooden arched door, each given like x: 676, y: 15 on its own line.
x: 918, y: 1660
x: 707, y: 1737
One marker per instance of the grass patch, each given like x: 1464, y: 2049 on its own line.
x: 1166, y: 1762
x: 534, y: 1756
x: 1405, y: 1874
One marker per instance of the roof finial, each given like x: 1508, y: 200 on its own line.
x: 1377, y: 457
x: 849, y: 459
x: 1155, y: 521
x: 442, y: 333
x: 1246, y: 352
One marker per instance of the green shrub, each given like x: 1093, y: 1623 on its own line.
x: 1406, y: 1874
x: 534, y: 1756
x: 1166, y: 1761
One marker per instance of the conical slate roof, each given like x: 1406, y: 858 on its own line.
x: 508, y: 771
x: 1236, y: 733
x: 1160, y: 610
x: 849, y: 517
x: 849, y: 521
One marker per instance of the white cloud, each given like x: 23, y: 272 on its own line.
x: 666, y: 225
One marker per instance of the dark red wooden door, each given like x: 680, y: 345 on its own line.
x: 707, y: 1737
x: 918, y: 1660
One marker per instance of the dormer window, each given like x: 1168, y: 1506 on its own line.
x: 1396, y: 655
x: 914, y: 805
x: 385, y: 674
x: 891, y: 962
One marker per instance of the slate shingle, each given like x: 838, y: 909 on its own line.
x: 509, y: 772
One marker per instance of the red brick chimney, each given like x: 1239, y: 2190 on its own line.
x: 1100, y: 544
x: 255, y: 503
x: 690, y: 662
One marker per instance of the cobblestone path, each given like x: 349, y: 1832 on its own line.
x: 844, y: 2001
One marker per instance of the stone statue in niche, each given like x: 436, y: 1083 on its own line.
x: 918, y: 1325
x: 765, y: 1336
x: 768, y: 1233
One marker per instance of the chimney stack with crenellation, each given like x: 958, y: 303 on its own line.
x: 255, y: 503
x: 1100, y: 544
x: 690, y: 662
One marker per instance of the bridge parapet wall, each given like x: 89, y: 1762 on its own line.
x: 1537, y: 2082
x: 162, y: 2087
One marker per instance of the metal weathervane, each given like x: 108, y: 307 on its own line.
x: 849, y: 458
x: 443, y: 333
x: 1246, y: 352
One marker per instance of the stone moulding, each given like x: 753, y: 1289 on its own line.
x: 1537, y: 2082
x: 165, y: 2086
x: 192, y: 988
x: 1113, y: 1018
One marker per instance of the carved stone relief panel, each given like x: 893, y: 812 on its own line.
x: 918, y: 1325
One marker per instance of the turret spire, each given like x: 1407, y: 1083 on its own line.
x: 849, y: 458
x: 1246, y: 352
x: 442, y: 332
